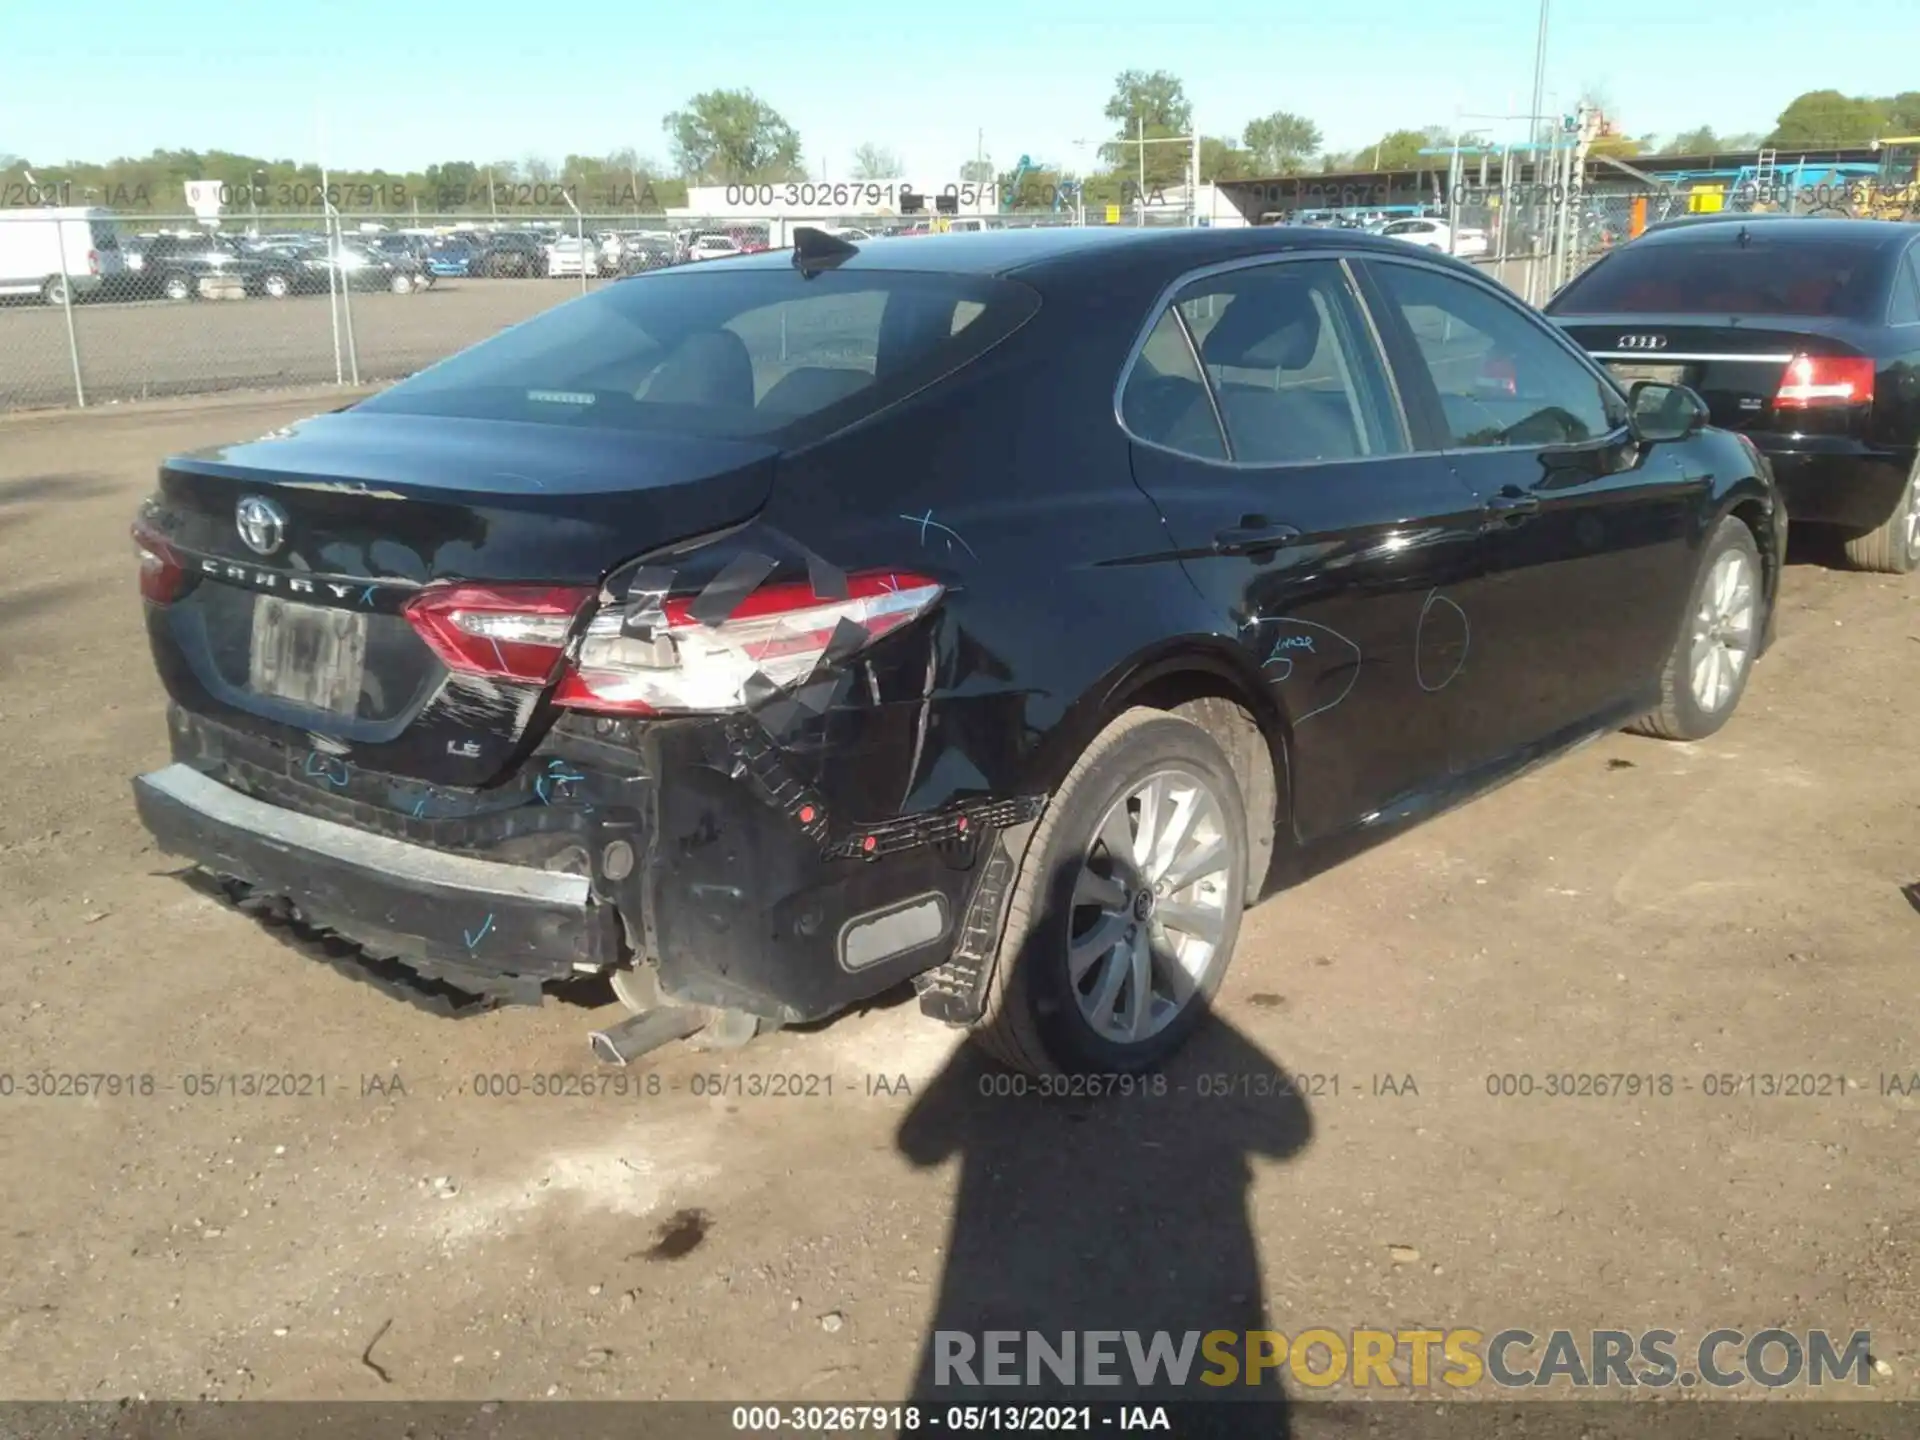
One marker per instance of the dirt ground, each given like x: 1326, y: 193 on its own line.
x: 1733, y: 907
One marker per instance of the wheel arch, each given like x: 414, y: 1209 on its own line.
x: 1754, y: 505
x: 1208, y: 680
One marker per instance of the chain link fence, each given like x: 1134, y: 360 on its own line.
x: 156, y: 305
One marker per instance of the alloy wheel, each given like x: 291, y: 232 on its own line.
x: 1913, y: 519
x: 1723, y: 632
x: 1149, y: 906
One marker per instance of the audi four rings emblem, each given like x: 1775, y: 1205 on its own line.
x: 1642, y: 342
x: 261, y: 523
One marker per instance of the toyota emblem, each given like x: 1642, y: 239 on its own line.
x: 261, y: 523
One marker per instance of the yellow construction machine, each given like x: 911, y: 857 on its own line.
x: 1895, y: 190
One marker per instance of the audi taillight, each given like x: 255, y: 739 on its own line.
x: 1499, y: 377
x: 1819, y: 382
x: 161, y: 572
x: 667, y: 660
x: 509, y: 632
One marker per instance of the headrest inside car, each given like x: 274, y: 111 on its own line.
x: 1268, y: 324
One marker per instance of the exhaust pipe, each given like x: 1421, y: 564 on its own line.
x: 636, y: 1035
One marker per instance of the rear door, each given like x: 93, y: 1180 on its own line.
x: 1266, y: 429
x: 1587, y: 533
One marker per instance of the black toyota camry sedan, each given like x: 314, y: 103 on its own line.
x: 992, y: 613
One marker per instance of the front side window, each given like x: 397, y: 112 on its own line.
x: 1501, y: 380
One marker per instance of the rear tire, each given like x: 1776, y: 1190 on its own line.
x: 1706, y: 671
x: 178, y: 286
x: 54, y: 292
x: 1055, y: 1002
x: 1894, y: 547
x: 275, y: 286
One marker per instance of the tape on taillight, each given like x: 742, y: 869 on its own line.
x: 685, y: 656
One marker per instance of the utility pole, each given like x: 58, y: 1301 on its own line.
x: 1539, y: 72
x: 1140, y: 123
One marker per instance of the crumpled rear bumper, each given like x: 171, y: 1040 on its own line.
x: 481, y: 925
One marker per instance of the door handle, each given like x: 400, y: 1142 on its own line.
x: 1253, y: 534
x: 1512, y: 507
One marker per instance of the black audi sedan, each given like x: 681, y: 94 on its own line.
x: 1801, y: 333
x: 992, y: 613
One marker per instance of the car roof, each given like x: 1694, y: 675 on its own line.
x: 1043, y: 249
x: 1791, y: 228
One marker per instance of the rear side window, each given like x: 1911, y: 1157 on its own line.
x: 1165, y: 401
x: 1291, y: 363
x: 1904, y: 306
x: 1717, y: 275
x: 728, y: 353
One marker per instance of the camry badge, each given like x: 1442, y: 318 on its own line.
x: 261, y: 523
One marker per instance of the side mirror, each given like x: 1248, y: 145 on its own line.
x: 1658, y: 412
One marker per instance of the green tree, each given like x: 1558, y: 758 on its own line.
x: 1397, y: 150
x: 1902, y: 113
x: 1698, y: 141
x: 1826, y: 118
x: 729, y: 137
x: 1156, y: 102
x: 1036, y: 189
x: 1223, y: 160
x: 876, y: 162
x: 1282, y: 143
x: 976, y: 172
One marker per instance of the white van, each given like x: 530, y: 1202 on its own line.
x: 32, y: 243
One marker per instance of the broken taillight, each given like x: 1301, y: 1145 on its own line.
x: 667, y: 660
x: 509, y: 632
x: 161, y: 573
x: 1819, y: 382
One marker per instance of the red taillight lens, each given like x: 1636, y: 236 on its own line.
x: 93, y: 262
x: 510, y: 632
x: 1498, y: 377
x: 1818, y: 382
x: 670, y: 662
x: 161, y: 573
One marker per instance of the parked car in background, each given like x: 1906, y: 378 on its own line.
x: 451, y: 255
x: 517, y: 253
x: 574, y: 255
x: 641, y: 252
x: 58, y: 252
x: 1801, y: 334
x: 712, y: 247
x: 703, y: 632
x: 1437, y: 235
x: 379, y: 267
x: 174, y: 266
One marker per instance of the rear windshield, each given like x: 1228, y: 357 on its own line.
x: 729, y: 353
x: 1719, y: 276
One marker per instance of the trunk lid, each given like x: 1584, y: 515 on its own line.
x: 300, y: 636
x: 1736, y: 363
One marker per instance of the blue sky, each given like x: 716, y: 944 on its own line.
x: 407, y: 82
